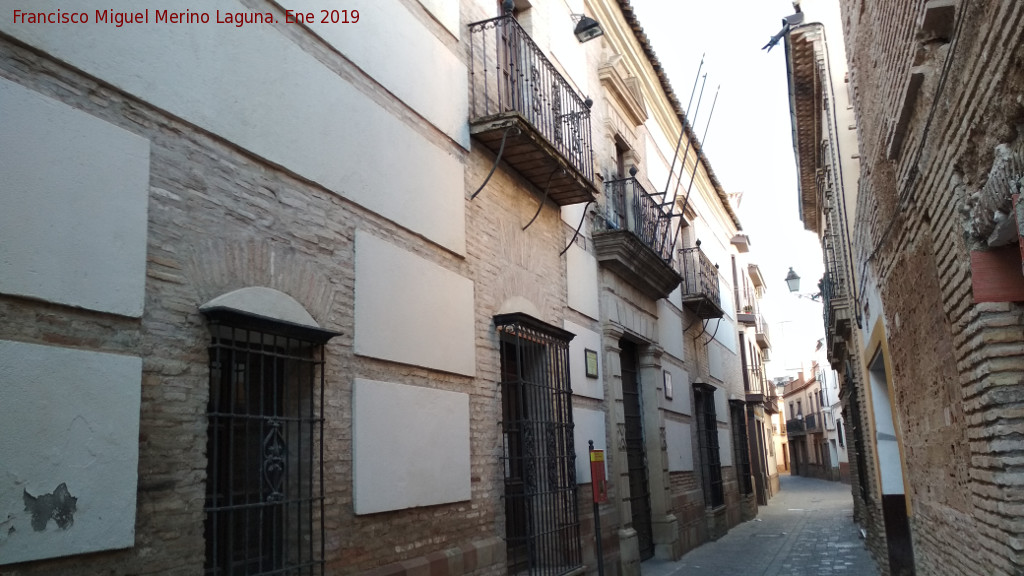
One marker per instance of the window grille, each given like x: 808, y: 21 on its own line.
x: 542, y: 529
x: 707, y: 438
x: 859, y: 443
x: 741, y: 448
x: 264, y: 486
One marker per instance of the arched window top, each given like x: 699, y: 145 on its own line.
x: 266, y: 306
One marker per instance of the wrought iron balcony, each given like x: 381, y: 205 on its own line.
x: 838, y: 315
x: 700, y: 288
x: 761, y: 333
x: 756, y: 384
x: 795, y: 427
x: 771, y: 401
x: 812, y: 422
x: 633, y: 238
x: 747, y: 315
x: 524, y: 111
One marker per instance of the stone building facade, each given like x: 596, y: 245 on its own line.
x: 935, y: 362
x: 330, y: 303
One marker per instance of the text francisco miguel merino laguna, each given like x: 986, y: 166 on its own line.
x: 158, y: 17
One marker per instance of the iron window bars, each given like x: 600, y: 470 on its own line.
x: 707, y: 440
x: 741, y: 446
x: 542, y: 528
x: 264, y: 490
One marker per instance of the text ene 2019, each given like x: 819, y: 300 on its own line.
x: 326, y: 17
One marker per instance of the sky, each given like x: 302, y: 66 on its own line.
x: 749, y: 144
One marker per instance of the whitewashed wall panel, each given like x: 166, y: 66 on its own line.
x: 681, y: 399
x: 69, y: 451
x: 581, y: 271
x: 588, y: 425
x: 670, y: 329
x: 411, y: 310
x: 679, y: 446
x: 256, y: 88
x: 725, y: 447
x: 585, y: 339
x: 73, y: 205
x: 413, y: 64
x: 446, y: 12
x: 410, y: 446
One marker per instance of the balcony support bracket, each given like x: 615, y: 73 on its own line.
x: 497, y: 159
x: 544, y: 200
x: 704, y: 326
x: 577, y: 233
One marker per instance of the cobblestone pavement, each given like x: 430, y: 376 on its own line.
x: 806, y: 530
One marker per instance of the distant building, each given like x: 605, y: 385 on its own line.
x: 814, y: 421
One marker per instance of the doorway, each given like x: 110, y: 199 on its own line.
x: 636, y: 454
x: 894, y: 500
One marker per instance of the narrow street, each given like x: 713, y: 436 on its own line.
x: 807, y: 529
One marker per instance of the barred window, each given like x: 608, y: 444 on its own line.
x: 707, y: 438
x: 264, y: 486
x: 740, y: 446
x: 542, y: 529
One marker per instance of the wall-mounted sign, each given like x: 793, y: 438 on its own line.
x: 591, y: 356
x: 668, y: 384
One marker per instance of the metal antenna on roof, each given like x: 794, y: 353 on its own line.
x: 682, y: 169
x: 693, y: 177
x: 689, y: 142
x: 683, y: 131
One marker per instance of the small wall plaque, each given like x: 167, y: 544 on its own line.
x: 591, y: 363
x: 668, y: 384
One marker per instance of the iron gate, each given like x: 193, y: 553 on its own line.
x: 541, y: 517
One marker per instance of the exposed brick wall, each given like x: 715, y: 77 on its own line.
x: 958, y: 366
x: 218, y: 217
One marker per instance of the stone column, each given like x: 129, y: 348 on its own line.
x: 618, y: 464
x: 667, y: 541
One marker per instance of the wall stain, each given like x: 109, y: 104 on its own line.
x: 60, y: 506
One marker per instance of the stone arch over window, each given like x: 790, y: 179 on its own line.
x: 262, y: 302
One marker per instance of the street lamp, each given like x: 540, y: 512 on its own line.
x: 586, y: 28
x: 793, y: 282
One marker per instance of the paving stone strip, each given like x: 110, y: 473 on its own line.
x: 806, y: 529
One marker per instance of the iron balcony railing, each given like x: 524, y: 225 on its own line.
x: 795, y: 426
x: 629, y: 207
x: 511, y: 76
x: 757, y: 383
x: 772, y: 396
x: 746, y: 301
x: 827, y: 296
x: 813, y: 421
x: 761, y: 332
x: 700, y: 275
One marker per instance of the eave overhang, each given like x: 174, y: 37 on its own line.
x: 805, y: 104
